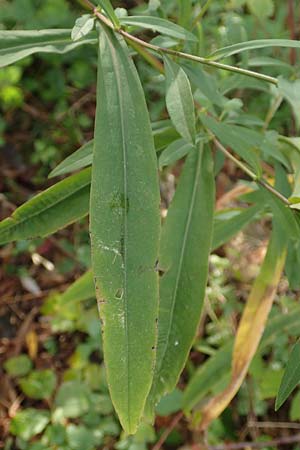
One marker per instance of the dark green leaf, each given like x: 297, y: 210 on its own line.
x: 125, y: 225
x: 82, y: 289
x: 78, y: 160
x: 39, y: 384
x: 18, y: 366
x: 177, y: 150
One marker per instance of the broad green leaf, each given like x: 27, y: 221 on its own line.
x: 225, y: 228
x: 179, y: 100
x: 29, y: 422
x: 72, y: 399
x: 160, y: 25
x: 17, y: 44
x: 108, y: 8
x: 252, y: 45
x: 177, y: 150
x: 55, y: 208
x: 78, y: 160
x: 82, y: 27
x: 185, y: 248
x: 39, y: 384
x: 82, y: 289
x: 251, y: 326
x: 243, y: 141
x: 290, y: 90
x: 291, y: 377
x: 125, y: 226
x: 261, y: 8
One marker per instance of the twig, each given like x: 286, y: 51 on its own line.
x: 283, y: 425
x: 202, y: 12
x: 130, y: 38
x: 249, y: 172
x: 168, y: 431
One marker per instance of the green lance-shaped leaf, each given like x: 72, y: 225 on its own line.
x: 17, y: 44
x: 125, y: 226
x: 108, y: 8
x: 252, y: 45
x: 185, y: 248
x: 242, y: 140
x: 291, y: 377
x: 160, y: 25
x: 175, y: 151
x: 179, y: 100
x: 78, y: 160
x: 52, y: 209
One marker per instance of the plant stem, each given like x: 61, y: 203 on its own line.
x: 202, y: 12
x: 130, y: 38
x: 249, y: 172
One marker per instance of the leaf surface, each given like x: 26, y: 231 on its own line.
x: 82, y: 27
x: 252, y: 45
x: 81, y: 158
x: 185, y: 248
x: 53, y: 209
x: 17, y: 44
x: 125, y: 227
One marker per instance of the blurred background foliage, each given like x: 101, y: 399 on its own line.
x: 53, y: 393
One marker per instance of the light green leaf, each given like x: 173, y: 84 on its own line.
x: 179, y: 100
x: 125, y: 226
x: 52, y: 209
x: 185, y: 248
x: 82, y: 289
x: 78, y: 160
x: 261, y: 8
x: 107, y: 7
x: 29, y: 422
x: 252, y: 45
x: 177, y: 150
x: 290, y: 90
x: 267, y: 61
x: 17, y: 44
x: 225, y: 228
x: 160, y: 25
x: 242, y: 140
x: 17, y: 366
x: 82, y: 27
x: 291, y: 377
x: 73, y: 399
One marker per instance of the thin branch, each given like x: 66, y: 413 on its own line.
x: 242, y: 445
x: 249, y: 172
x: 168, y: 431
x: 130, y: 38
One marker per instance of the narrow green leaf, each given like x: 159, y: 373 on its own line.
x: 55, y: 208
x: 242, y: 140
x: 125, y: 225
x: 290, y: 90
x: 17, y: 44
x: 78, y: 160
x: 82, y: 27
x: 291, y: 377
x: 177, y: 150
x: 160, y: 25
x: 179, y: 100
x: 82, y: 289
x: 251, y: 45
x: 185, y: 248
x: 267, y: 61
x: 107, y: 7
x: 225, y: 228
